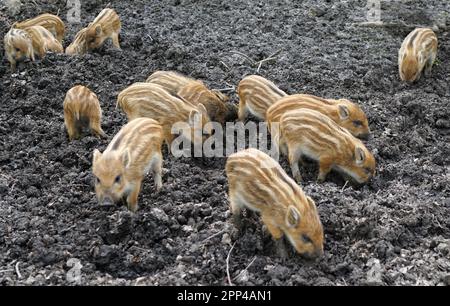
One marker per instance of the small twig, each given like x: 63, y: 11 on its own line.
x: 7, y: 270
x: 225, y: 65
x: 19, y: 276
x: 226, y: 89
x: 342, y: 190
x: 273, y: 56
x: 246, y: 268
x: 214, y: 235
x: 245, y: 56
x: 259, y: 66
x: 275, y: 53
x: 228, y: 264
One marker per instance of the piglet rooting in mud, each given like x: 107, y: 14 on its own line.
x: 81, y: 110
x: 106, y: 25
x: 18, y: 47
x: 257, y: 182
x: 309, y: 133
x: 196, y: 92
x: 417, y: 53
x: 153, y: 101
x: 78, y: 45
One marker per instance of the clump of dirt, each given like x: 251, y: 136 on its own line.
x: 396, y: 230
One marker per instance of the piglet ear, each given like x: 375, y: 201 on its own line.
x: 96, y: 155
x: 311, y: 203
x: 126, y: 158
x: 360, y: 156
x: 220, y: 95
x: 201, y: 107
x: 292, y: 216
x: 98, y: 29
x: 194, y: 116
x: 32, y: 54
x: 344, y: 113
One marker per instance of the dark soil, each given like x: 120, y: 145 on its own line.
x: 396, y: 230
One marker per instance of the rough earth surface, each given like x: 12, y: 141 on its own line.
x: 393, y: 231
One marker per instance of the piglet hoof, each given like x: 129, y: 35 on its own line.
x: 158, y: 188
x: 132, y: 207
x: 237, y: 221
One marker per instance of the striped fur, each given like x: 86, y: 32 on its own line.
x: 218, y: 110
x: 78, y: 46
x: 106, y: 25
x: 153, y: 101
x: 82, y: 109
x: 171, y: 81
x: 131, y: 154
x: 51, y: 22
x: 18, y: 47
x: 305, y: 132
x: 43, y: 41
x: 345, y: 113
x: 256, y: 95
x: 195, y: 91
x: 418, y: 52
x: 258, y: 182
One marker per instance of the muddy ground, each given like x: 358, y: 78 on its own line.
x: 394, y: 231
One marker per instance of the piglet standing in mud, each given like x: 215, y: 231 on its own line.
x: 309, y: 133
x: 18, y: 47
x: 153, y: 101
x: 131, y: 154
x: 257, y: 182
x: 82, y: 109
x: 418, y: 52
x: 105, y: 25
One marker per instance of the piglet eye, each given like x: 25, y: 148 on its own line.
x: 306, y: 239
x: 97, y: 180
x: 368, y: 170
x: 357, y: 123
x: 117, y: 179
